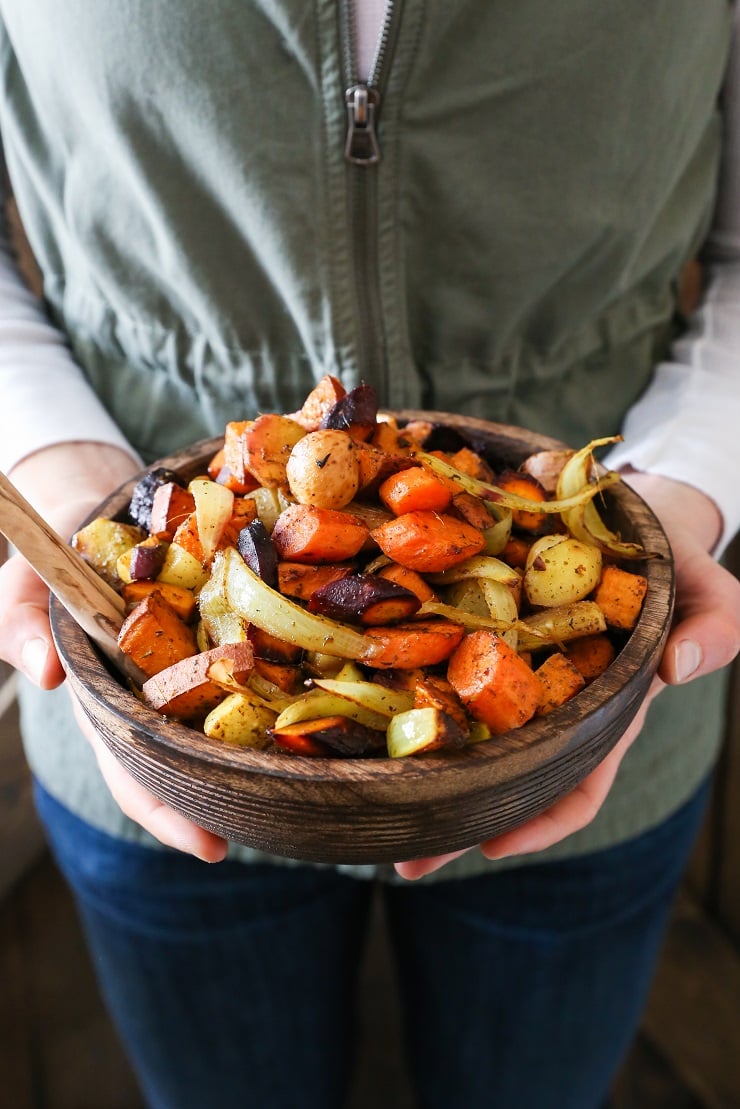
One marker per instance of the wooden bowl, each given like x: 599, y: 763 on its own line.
x: 381, y: 810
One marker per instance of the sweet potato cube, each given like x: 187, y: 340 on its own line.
x: 560, y: 680
x: 435, y: 692
x: 234, y: 453
x: 267, y: 443
x: 319, y: 402
x: 468, y: 462
x: 154, y: 636
x: 619, y: 595
x: 493, y: 682
x: 170, y: 507
x: 180, y: 599
x: 591, y: 654
x: 473, y: 510
x: 185, y: 689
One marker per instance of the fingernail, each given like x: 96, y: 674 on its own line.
x: 688, y: 659
x: 33, y: 658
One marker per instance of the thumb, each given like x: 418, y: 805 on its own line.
x: 26, y: 642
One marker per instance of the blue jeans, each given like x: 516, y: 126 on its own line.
x: 233, y: 985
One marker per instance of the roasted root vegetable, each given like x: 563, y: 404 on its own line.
x: 620, y: 595
x: 428, y: 541
x: 493, y: 682
x: 154, y: 636
x: 328, y: 735
x: 560, y: 680
x: 303, y: 533
x: 187, y: 690
x: 364, y: 599
x: 336, y: 585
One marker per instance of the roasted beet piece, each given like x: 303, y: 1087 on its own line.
x: 258, y: 551
x: 357, y: 412
x: 140, y: 508
x: 147, y: 559
x: 364, y: 599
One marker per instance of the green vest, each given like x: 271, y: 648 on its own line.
x: 545, y: 172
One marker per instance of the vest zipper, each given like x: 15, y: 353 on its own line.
x: 362, y: 152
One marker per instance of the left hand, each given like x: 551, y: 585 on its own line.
x: 705, y: 636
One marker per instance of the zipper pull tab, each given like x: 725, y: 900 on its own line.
x: 361, y: 147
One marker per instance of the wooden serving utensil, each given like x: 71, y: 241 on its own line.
x: 95, y: 606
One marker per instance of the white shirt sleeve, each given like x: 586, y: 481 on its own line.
x: 45, y: 396
x: 687, y: 423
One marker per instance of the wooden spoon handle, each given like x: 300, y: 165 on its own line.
x: 95, y: 606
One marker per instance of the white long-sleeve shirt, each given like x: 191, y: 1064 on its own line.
x: 685, y: 426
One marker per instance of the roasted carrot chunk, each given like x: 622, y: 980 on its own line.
x: 303, y: 533
x: 428, y: 542
x: 516, y: 551
x: 493, y: 682
x: 560, y: 681
x: 412, y: 490
x: 619, y: 595
x: 415, y: 644
x: 154, y: 636
x: 409, y: 579
x: 524, y: 485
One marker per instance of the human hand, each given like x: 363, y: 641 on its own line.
x: 64, y: 483
x: 705, y: 636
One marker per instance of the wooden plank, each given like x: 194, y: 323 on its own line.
x: 16, y: 1039
x: 726, y: 901
x: 647, y: 1081
x: 693, y: 1015
x: 19, y: 825
x: 79, y: 1063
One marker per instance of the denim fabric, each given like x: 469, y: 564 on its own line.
x: 233, y: 985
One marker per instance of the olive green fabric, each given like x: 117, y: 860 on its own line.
x: 546, y: 172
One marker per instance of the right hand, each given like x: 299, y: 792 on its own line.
x: 64, y: 483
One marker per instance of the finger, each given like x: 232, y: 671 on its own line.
x: 138, y: 804
x: 418, y: 868
x: 26, y: 642
x: 578, y: 808
x: 706, y: 635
